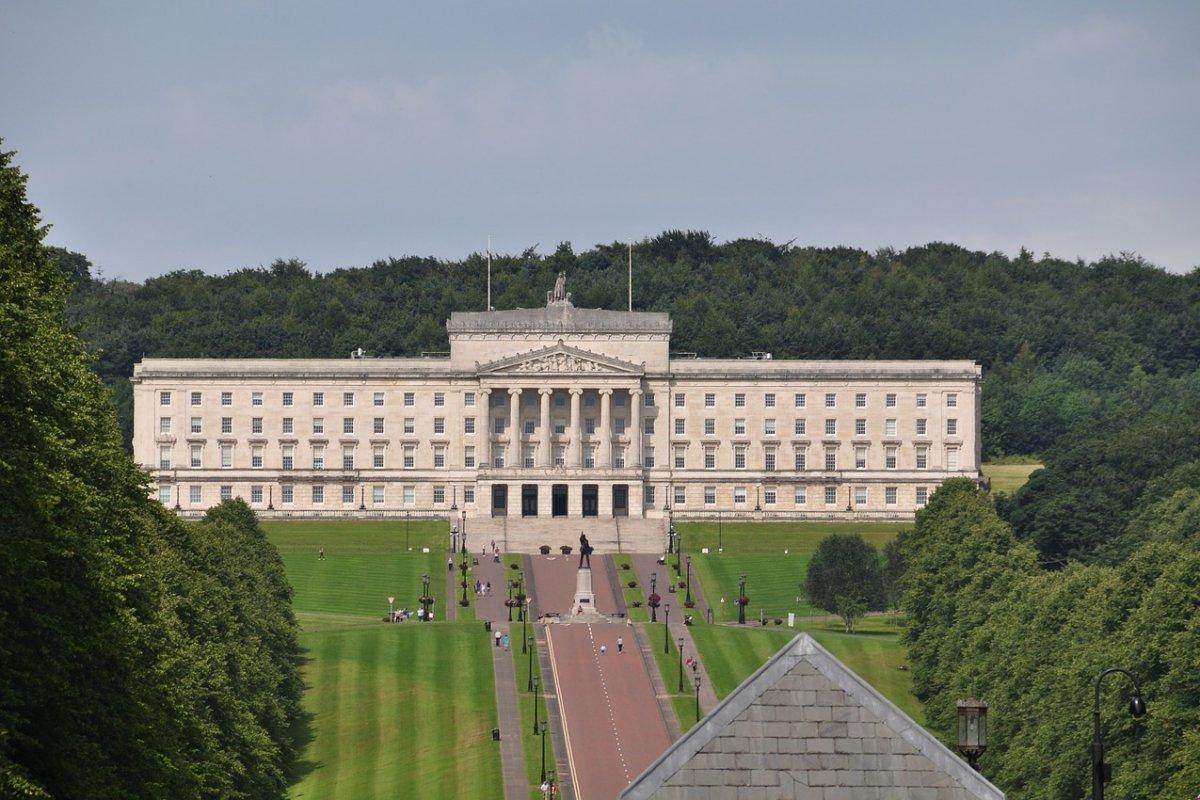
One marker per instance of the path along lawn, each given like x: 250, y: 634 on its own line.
x: 772, y: 555
x: 1007, y: 478
x: 393, y: 710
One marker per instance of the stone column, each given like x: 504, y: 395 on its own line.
x: 634, y: 456
x: 545, y: 448
x: 604, y: 454
x: 514, y: 426
x: 575, y: 450
x: 483, y: 450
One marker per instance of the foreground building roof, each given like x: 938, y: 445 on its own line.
x: 805, y: 726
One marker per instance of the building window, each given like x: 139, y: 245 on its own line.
x: 256, y: 425
x: 739, y: 495
x: 589, y: 457
x: 889, y: 427
x: 889, y: 495
x: 226, y: 398
x: 648, y: 399
x: 647, y: 495
x: 226, y: 424
x: 739, y: 427
x: 922, y: 458
x: 560, y: 455
x: 347, y: 424
x: 889, y: 400
x: 618, y: 400
x: 377, y: 425
x: 680, y: 398
x: 164, y: 398
x: 498, y: 456
x: 921, y: 399
x: 318, y: 398
x: 619, y: 457
x: 318, y: 494
x: 769, y: 400
x: 800, y: 459
x: 256, y: 398
x: 799, y: 427
x: 830, y: 458
x: 318, y: 456
x: 195, y: 398
x: 194, y: 494
x: 469, y: 402
x: 287, y: 493
x: 196, y: 450
x: 226, y: 456
x: 860, y: 400
x: 318, y: 425
x: 560, y: 427
x: 226, y: 493
x: 469, y: 456
x: 739, y: 400
x: 800, y: 399
x: 951, y: 400
x: 256, y: 457
x: 164, y: 424
x: 527, y: 457
x: 439, y: 399
x: 800, y: 495
x: 348, y: 457
x: 620, y: 424
x: 648, y: 458
x: 410, y: 425
x: 410, y: 495
x: 769, y: 459
x: 922, y: 495
x: 951, y: 427
x: 768, y: 427
x: 410, y: 399
x: 469, y: 494
x: 288, y: 425
x: 377, y: 399
x: 710, y: 400
x: 196, y: 424
x: 256, y: 494
x: 468, y: 425
x: 710, y: 427
x: 410, y: 456
x: 830, y: 400
x: 830, y: 495
x: 347, y: 493
x: 500, y: 400
x: 528, y: 427
x: 377, y: 494
x: 439, y: 495
x: 860, y: 458
x: 680, y: 457
x: 860, y: 427
x: 288, y: 398
x: 648, y: 427
x: 860, y: 495
x: 377, y: 456
x: 889, y: 458
x: 710, y: 458
x: 498, y: 424
x: 680, y: 427
x: 952, y: 458
x: 347, y: 398
x: 710, y: 495
x: 739, y: 457
x: 589, y: 426
x: 831, y: 427
x: 164, y: 457
x: 560, y: 400
x: 680, y: 497
x: 769, y: 495
x: 589, y: 399
x: 921, y: 427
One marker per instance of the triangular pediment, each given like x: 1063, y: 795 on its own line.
x: 560, y: 359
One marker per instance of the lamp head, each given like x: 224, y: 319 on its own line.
x: 1137, y: 706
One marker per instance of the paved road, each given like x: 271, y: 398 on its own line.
x: 554, y: 582
x: 612, y: 724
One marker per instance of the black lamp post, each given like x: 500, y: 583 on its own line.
x: 362, y: 497
x: 972, y: 729
x: 463, y: 568
x: 667, y: 629
x: 680, y: 689
x: 534, y: 696
x: 454, y: 501
x: 521, y: 614
x: 653, y: 594
x: 697, y: 698
x: 1102, y: 772
x: 741, y: 600
x: 425, y: 598
x: 531, y: 684
x: 687, y: 601
x: 509, y: 603
x: 678, y: 550
x: 542, y: 732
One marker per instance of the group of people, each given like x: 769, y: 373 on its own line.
x: 482, y: 589
x: 403, y: 615
x: 495, y: 552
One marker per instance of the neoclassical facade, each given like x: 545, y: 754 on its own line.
x: 556, y: 412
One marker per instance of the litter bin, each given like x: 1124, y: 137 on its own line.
x: 495, y: 734
x: 487, y: 625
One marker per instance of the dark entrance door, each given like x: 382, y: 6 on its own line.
x: 591, y: 500
x: 529, y: 500
x: 499, y: 500
x: 620, y: 500
x: 558, y: 500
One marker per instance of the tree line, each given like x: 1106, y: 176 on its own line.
x: 140, y: 655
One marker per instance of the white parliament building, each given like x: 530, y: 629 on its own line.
x: 556, y: 412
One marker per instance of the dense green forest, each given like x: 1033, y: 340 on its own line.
x: 140, y: 656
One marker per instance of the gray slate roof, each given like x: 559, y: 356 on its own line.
x: 805, y: 726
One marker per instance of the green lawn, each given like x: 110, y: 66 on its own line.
x: 1007, y: 478
x: 632, y: 595
x: 392, y: 710
x: 531, y: 744
x: 775, y: 537
x: 683, y: 702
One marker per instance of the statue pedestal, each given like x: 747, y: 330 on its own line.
x: 585, y: 598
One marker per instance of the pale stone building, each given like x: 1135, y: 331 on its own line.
x: 557, y: 412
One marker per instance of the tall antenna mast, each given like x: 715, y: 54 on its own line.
x: 489, y: 276
x: 631, y: 275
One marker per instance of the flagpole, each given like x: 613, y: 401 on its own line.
x: 631, y: 276
x: 489, y: 276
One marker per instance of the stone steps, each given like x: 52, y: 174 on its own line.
x: 527, y: 534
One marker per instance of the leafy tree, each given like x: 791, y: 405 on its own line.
x: 845, y: 578
x: 893, y: 570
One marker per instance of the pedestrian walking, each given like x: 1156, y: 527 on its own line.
x: 620, y: 645
x: 505, y: 639
x: 450, y: 564
x: 497, y: 638
x: 320, y: 553
x: 603, y: 649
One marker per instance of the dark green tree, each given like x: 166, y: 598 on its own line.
x: 845, y: 578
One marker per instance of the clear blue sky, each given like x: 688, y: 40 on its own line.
x: 214, y: 135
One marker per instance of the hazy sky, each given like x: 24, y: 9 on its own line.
x: 214, y: 135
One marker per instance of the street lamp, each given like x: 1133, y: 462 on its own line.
x: 426, y: 600
x: 687, y: 601
x: 531, y: 684
x: 542, y: 732
x: 742, y: 600
x: 697, y: 698
x: 509, y: 603
x: 653, y: 594
x: 678, y: 550
x: 680, y: 689
x: 667, y: 629
x: 535, y: 713
x: 454, y: 501
x: 972, y: 729
x: 1101, y: 772
x: 362, y: 497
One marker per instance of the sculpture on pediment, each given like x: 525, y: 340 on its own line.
x: 559, y: 293
x: 560, y: 362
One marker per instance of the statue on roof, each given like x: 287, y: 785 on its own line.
x: 559, y: 293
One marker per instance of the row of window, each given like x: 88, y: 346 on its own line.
x: 891, y: 427
x: 287, y: 399
x: 800, y: 495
